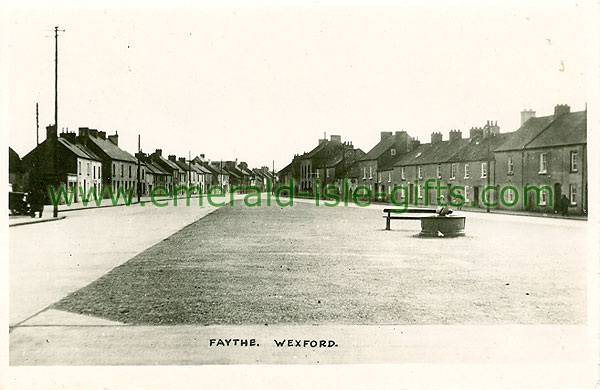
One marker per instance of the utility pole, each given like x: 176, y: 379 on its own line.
x: 273, y: 178
x: 189, y: 169
x: 56, y: 30
x: 139, y: 168
x: 37, y: 125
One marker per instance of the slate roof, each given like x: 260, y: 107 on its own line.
x: 169, y: 163
x: 436, y: 153
x: 112, y: 150
x: 80, y: 150
x: 568, y: 129
x: 217, y: 169
x: 152, y: 167
x: 526, y: 133
x: 183, y: 165
x: 380, y: 148
x: 353, y: 171
x: 480, y: 148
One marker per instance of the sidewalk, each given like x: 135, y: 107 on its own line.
x: 47, y: 215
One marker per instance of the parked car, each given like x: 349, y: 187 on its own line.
x: 17, y: 203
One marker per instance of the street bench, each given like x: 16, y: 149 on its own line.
x: 415, y: 210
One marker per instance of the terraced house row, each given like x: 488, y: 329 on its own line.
x: 92, y: 161
x: 547, y: 152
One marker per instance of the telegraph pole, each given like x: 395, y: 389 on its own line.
x: 273, y: 178
x: 37, y: 125
x: 56, y: 30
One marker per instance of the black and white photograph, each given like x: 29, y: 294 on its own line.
x: 356, y: 195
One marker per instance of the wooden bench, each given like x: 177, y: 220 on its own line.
x: 414, y: 210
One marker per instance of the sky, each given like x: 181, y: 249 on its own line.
x: 260, y: 83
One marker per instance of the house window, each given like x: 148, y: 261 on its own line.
x: 439, y: 171
x: 510, y: 196
x: 143, y: 171
x: 453, y: 171
x: 379, y: 177
x: 327, y: 173
x: 88, y: 169
x: 419, y: 192
x: 403, y: 173
x: 364, y: 173
x: 543, y: 198
x: 389, y: 177
x: 574, y: 161
x: 370, y: 172
x: 543, y: 163
x: 393, y: 152
x: 467, y: 194
x: 484, y: 170
x: 573, y: 194
x: 420, y: 172
x: 122, y: 170
x: 511, y: 166
x: 130, y: 171
x: 467, y: 173
x: 114, y: 170
x: 94, y: 171
x: 79, y: 168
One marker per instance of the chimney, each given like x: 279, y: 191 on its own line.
x: 436, y: 137
x: 415, y: 143
x: 114, y: 138
x: 84, y: 131
x: 491, y: 129
x: 561, y: 109
x: 202, y: 155
x: 385, y: 134
x: 322, y: 140
x: 51, y: 132
x: 102, y: 134
x: 336, y: 138
x: 172, y: 157
x: 93, y: 132
x: 71, y: 137
x: 455, y: 135
x: 475, y: 132
x: 158, y: 152
x: 526, y: 115
x: 182, y: 159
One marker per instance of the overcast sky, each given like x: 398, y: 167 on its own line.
x: 262, y: 83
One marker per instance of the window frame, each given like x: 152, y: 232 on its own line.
x: 543, y: 163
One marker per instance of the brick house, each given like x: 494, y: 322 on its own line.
x: 545, y: 151
x: 428, y: 161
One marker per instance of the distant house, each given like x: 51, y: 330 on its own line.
x: 15, y: 172
x: 119, y: 167
x: 381, y: 158
x: 169, y: 166
x: 428, y: 161
x: 63, y: 162
x: 473, y: 166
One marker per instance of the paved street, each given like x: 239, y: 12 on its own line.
x: 301, y: 272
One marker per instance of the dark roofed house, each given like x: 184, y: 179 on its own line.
x: 426, y: 161
x: 15, y: 172
x: 63, y: 162
x: 380, y: 158
x: 549, y: 153
x: 119, y: 168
